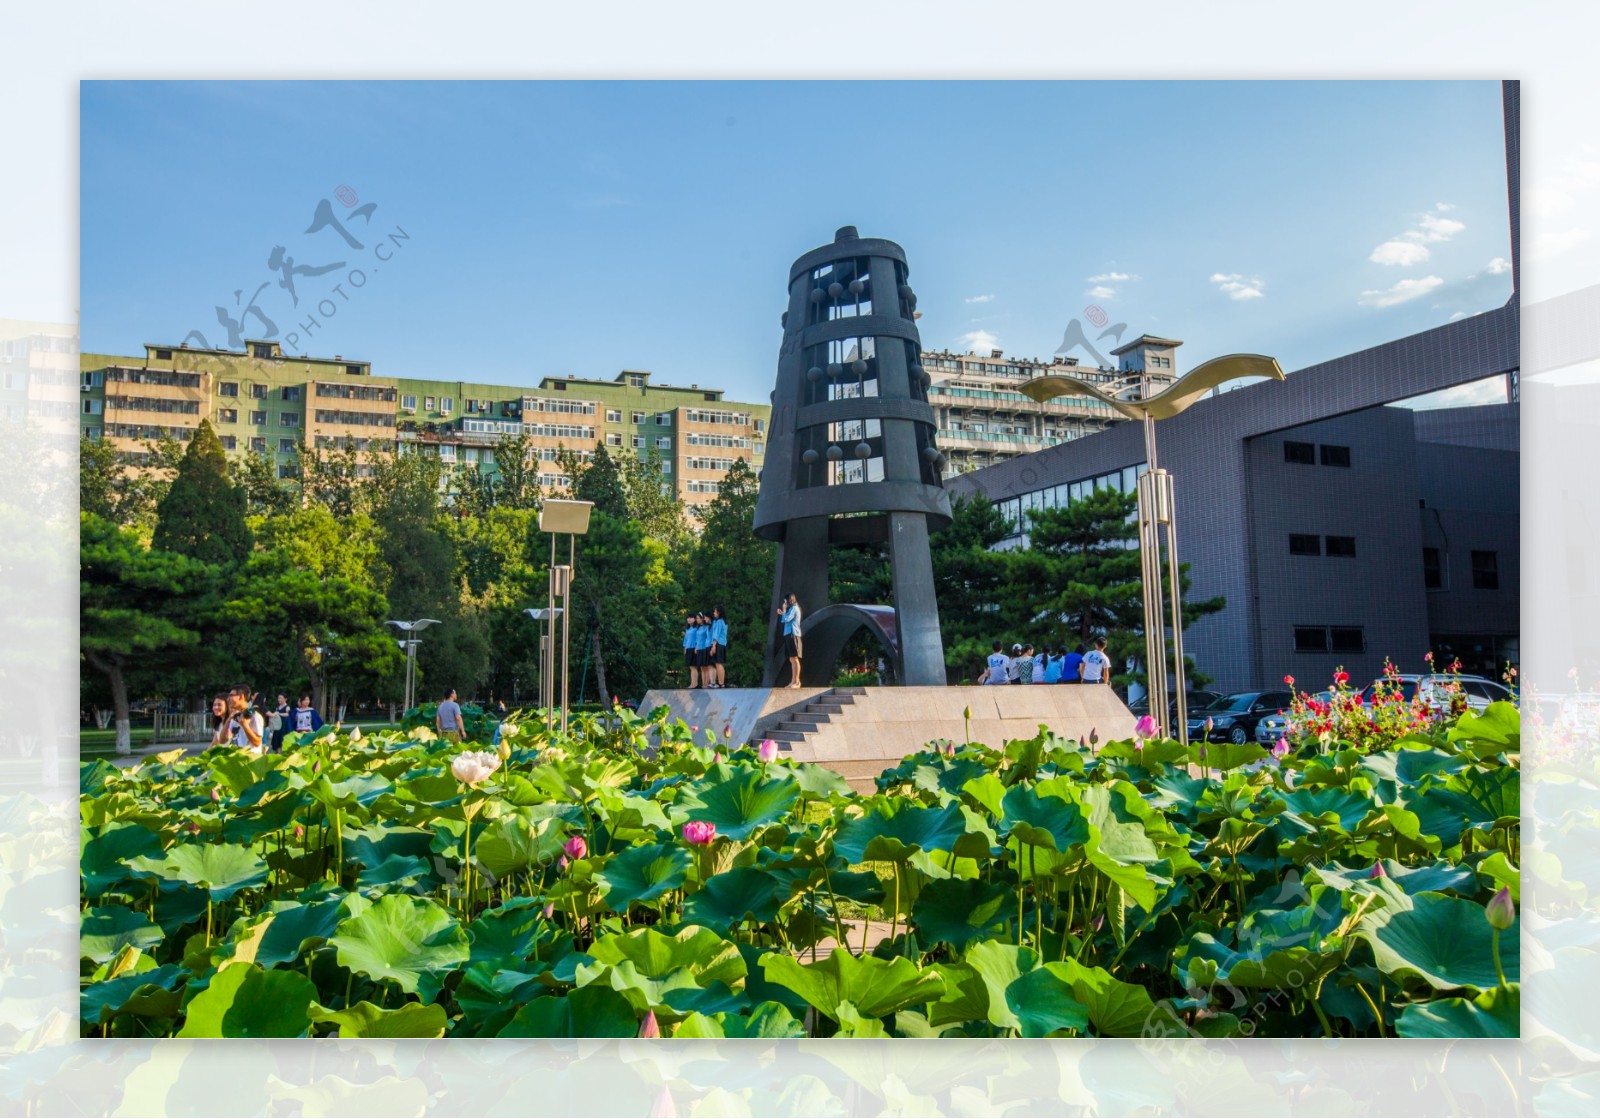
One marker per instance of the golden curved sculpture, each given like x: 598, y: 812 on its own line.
x: 1170, y: 400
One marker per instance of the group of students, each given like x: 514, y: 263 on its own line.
x: 705, y: 648
x: 241, y: 718
x: 1052, y: 666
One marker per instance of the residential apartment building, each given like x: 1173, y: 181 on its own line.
x: 984, y: 419
x: 263, y: 402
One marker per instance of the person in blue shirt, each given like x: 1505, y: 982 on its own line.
x: 1072, y: 667
x: 1052, y: 666
x: 690, y: 661
x: 702, y: 647
x: 789, y: 612
x: 719, y: 647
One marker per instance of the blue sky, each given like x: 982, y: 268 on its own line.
x: 580, y: 228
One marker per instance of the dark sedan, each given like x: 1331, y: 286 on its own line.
x: 1234, y: 717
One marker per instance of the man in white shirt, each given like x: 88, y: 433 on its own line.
x: 245, y: 724
x: 1096, y: 665
x: 998, y: 666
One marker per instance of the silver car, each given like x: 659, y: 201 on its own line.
x: 1277, y: 726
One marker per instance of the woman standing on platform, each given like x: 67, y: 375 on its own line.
x: 691, y: 660
x: 790, y: 613
x: 719, y: 647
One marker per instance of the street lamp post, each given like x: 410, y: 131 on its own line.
x: 410, y: 646
x: 544, y: 614
x: 1157, y: 525
x: 558, y: 516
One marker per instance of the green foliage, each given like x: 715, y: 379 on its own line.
x: 202, y: 514
x: 730, y: 565
x: 1036, y: 890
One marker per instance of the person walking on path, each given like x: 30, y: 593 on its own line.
x: 447, y: 719
x: 719, y: 647
x: 790, y: 613
x: 279, y: 723
x: 1096, y: 665
x: 998, y: 667
x: 1072, y: 667
x: 245, y: 724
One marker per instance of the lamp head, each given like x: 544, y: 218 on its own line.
x: 563, y: 515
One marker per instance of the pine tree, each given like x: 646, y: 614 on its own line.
x: 202, y: 514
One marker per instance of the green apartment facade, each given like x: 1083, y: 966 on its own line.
x: 263, y: 402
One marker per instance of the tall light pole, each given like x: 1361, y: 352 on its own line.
x: 558, y: 516
x: 410, y: 646
x: 544, y: 614
x: 1156, y: 520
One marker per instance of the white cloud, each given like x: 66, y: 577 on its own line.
x: 1547, y: 245
x: 1112, y: 278
x: 1236, y: 286
x: 977, y: 341
x: 1100, y: 292
x: 1409, y: 247
x: 980, y: 299
x: 1399, y: 252
x: 1458, y: 315
x: 1498, y: 265
x: 1491, y: 390
x: 1402, y: 292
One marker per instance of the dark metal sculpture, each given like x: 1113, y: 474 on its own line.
x: 851, y: 457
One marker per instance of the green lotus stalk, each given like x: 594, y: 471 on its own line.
x: 1501, y: 915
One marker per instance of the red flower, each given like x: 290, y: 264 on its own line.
x: 1341, y: 677
x: 1289, y: 680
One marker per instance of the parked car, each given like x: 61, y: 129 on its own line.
x: 1479, y: 691
x: 1234, y: 718
x: 1281, y: 724
x: 1195, y: 700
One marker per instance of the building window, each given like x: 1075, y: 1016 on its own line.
x: 429, y: 404
x: 1342, y: 546
x: 1485, y: 571
x: 664, y: 443
x: 664, y: 419
x: 613, y: 439
x: 229, y: 443
x: 409, y: 402
x: 1310, y: 639
x: 353, y: 370
x: 638, y: 417
x: 91, y: 379
x: 91, y: 407
x: 613, y: 415
x: 638, y: 442
x: 291, y: 392
x: 93, y: 434
x: 447, y: 404
x: 163, y: 355
x: 1304, y: 544
x: 1335, y: 456
x: 258, y: 418
x: 286, y: 470
x: 1303, y: 453
x: 1347, y: 639
x: 286, y: 446
x: 227, y: 415
x: 1432, y: 569
x: 260, y: 349
x: 288, y: 419
x: 258, y: 392
x: 258, y: 443
x: 228, y: 388
x: 636, y: 380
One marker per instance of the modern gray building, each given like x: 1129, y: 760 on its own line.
x: 1340, y: 529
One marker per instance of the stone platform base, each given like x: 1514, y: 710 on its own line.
x: 860, y: 732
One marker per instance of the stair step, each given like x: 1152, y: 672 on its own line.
x: 799, y: 728
x: 781, y: 736
x: 809, y: 718
x: 848, y: 691
x: 824, y: 709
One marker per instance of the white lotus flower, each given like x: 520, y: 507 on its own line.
x: 507, y: 729
x: 474, y: 766
x: 355, y: 734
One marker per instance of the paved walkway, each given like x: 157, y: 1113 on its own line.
x: 127, y: 761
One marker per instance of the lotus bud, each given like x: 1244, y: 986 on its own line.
x: 1083, y: 742
x: 1500, y: 912
x: 727, y: 730
x: 216, y: 795
x: 1145, y: 728
x: 615, y: 702
x: 1280, y: 748
x: 966, y: 713
x: 1377, y: 871
x: 949, y: 749
x: 355, y: 734
x: 665, y: 1106
x: 1209, y: 725
x: 1099, y: 922
x: 716, y: 758
x: 768, y: 750
x: 561, y: 863
x: 575, y: 847
x: 1094, y: 736
x: 694, y: 730
x: 650, y: 1027
x: 316, y: 766
x: 299, y: 832
x: 699, y: 832
x: 548, y: 911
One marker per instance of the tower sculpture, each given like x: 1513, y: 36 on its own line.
x: 851, y: 458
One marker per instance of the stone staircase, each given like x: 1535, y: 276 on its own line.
x: 797, y: 726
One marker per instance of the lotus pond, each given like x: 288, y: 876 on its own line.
x: 592, y: 885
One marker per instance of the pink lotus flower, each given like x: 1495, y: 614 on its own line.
x: 1280, y: 748
x: 575, y: 847
x: 665, y: 1106
x: 1145, y: 729
x: 1377, y: 871
x: 694, y: 730
x: 561, y: 863
x: 699, y: 832
x: 949, y: 749
x: 767, y: 751
x: 650, y: 1027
